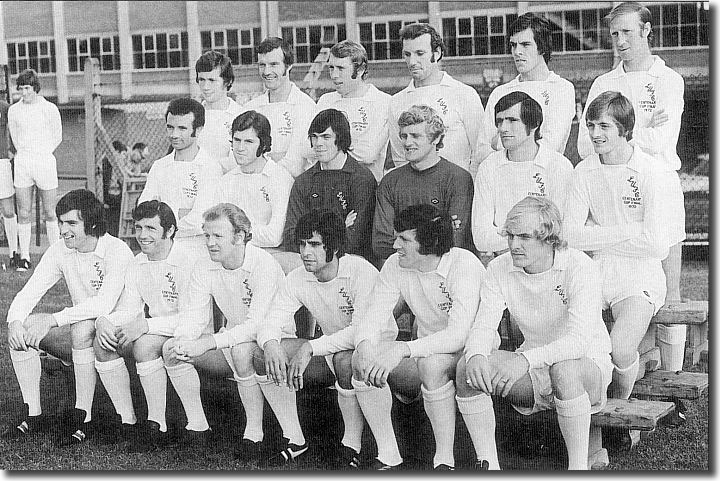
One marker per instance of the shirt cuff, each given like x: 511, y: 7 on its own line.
x: 418, y: 348
x: 320, y: 346
x: 534, y: 358
x: 223, y: 340
x: 61, y: 319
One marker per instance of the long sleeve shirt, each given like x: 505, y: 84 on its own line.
x: 332, y: 304
x: 179, y: 184
x: 35, y: 127
x: 660, y: 88
x: 343, y: 190
x: 215, y: 136
x: 500, y: 184
x: 623, y: 204
x: 289, y: 121
x: 444, y: 302
x: 157, y: 284
x: 462, y: 112
x: 244, y: 295
x: 369, y: 118
x: 94, y: 279
x: 559, y: 311
x: 444, y: 185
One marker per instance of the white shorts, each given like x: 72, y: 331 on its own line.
x: 6, y: 180
x: 624, y: 277
x: 543, y: 393
x: 674, y: 207
x: 33, y: 168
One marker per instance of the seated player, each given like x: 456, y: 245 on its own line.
x: 441, y: 285
x: 332, y: 285
x: 242, y: 279
x: 525, y: 166
x: 158, y: 277
x: 553, y: 293
x: 614, y: 209
x: 92, y: 263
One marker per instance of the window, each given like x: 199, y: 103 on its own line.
x: 680, y: 25
x: 479, y: 35
x: 382, y: 39
x: 238, y: 44
x: 160, y: 50
x: 105, y: 49
x: 35, y: 54
x: 307, y: 41
x: 579, y: 30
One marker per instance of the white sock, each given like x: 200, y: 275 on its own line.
x: 672, y: 355
x: 153, y: 379
x: 376, y: 404
x: 283, y: 403
x: 574, y: 419
x: 479, y: 417
x: 85, y: 379
x: 186, y: 382
x: 440, y: 409
x: 28, y: 370
x: 24, y: 240
x: 53, y: 231
x: 116, y: 379
x: 253, y: 403
x: 11, y: 232
x: 352, y: 418
x: 624, y: 379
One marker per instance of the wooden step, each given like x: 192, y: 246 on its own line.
x: 681, y: 384
x: 632, y: 414
x: 690, y: 312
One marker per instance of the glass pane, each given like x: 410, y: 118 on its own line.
x: 149, y: 60
x: 149, y: 42
x: 496, y: 25
x: 116, y: 44
x: 703, y: 34
x: 394, y: 30
x: 11, y: 50
x: 287, y: 35
x: 246, y: 56
x: 245, y: 37
x: 72, y: 46
x: 219, y: 39
x: 175, y: 59
x: 314, y: 51
x: 369, y: 50
x: 95, y: 47
x: 464, y: 26
x: 481, y: 46
x: 380, y: 51
x: 302, y: 54
x: 23, y: 64
x: 106, y: 44
x: 83, y: 46
x: 45, y: 65
x: 43, y: 48
x: 380, y: 31
x: 589, y: 19
x: 465, y: 46
x: 451, y: 46
x: 341, y: 34
x: 480, y: 25
x: 688, y: 35
x: 161, y: 41
x: 572, y: 44
x: 572, y: 20
x: 107, y: 62
x: 184, y: 44
x: 34, y: 64
x: 497, y: 45
x: 205, y: 40
x: 301, y: 35
x: 448, y: 26
x: 73, y: 63
x: 590, y: 40
x: 256, y: 35
x: 22, y: 50
x: 365, y: 32
x: 32, y: 49
x: 688, y: 13
x: 669, y: 15
x: 137, y: 60
x: 395, y: 48
x: 162, y: 59
x: 13, y: 67
x: 670, y: 37
x: 315, y: 32
x: 137, y: 43
x: 185, y: 60
x: 328, y: 35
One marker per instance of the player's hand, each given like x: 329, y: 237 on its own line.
x: 189, y: 350
x: 275, y: 361
x: 478, y: 374
x: 38, y: 325
x: 659, y: 118
x: 16, y: 336
x: 507, y: 374
x: 105, y: 334
x: 350, y: 219
x: 130, y: 331
x: 387, y: 356
x: 363, y: 359
x: 298, y: 364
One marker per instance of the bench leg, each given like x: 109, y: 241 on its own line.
x: 597, y: 455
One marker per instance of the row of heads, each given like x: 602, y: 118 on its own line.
x: 433, y: 229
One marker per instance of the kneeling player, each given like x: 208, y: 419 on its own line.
x: 553, y: 293
x: 332, y: 285
x: 243, y: 280
x: 93, y: 265
x: 158, y: 278
x: 441, y: 285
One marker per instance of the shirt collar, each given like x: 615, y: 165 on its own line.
x: 446, y: 80
x: 655, y: 69
x: 350, y: 166
x: 250, y: 264
x: 267, y: 171
x: 344, y: 271
x: 542, y: 157
x: 592, y: 161
x: 560, y: 262
x: 174, y: 257
x: 100, y: 248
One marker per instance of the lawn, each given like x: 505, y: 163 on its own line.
x: 682, y: 447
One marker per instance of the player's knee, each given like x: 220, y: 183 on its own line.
x: 342, y: 362
x: 168, y: 358
x: 463, y: 389
x: 565, y: 379
x: 243, y: 358
x: 436, y: 371
x: 258, y: 362
x: 82, y: 334
x: 102, y: 354
x: 355, y: 361
x: 143, y: 349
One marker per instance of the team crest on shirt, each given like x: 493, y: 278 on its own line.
x: 342, y: 200
x: 361, y: 124
x: 170, y: 294
x: 443, y: 105
x: 634, y: 200
x: 561, y: 292
x: 287, y: 127
x: 265, y: 194
x: 247, y: 298
x: 348, y: 308
x: 97, y: 283
x: 648, y: 104
x: 539, y: 184
x: 546, y: 97
x: 447, y: 304
x: 192, y: 190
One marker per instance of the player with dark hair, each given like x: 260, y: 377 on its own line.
x: 524, y: 167
x: 288, y: 109
x: 553, y: 293
x: 458, y: 104
x: 93, y: 264
x: 332, y: 286
x: 530, y: 39
x: 337, y: 182
x: 441, y: 286
x: 36, y: 131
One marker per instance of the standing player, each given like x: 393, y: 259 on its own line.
x: 458, y: 104
x: 36, y: 131
x: 530, y: 40
x: 289, y: 110
x: 332, y: 285
x: 92, y: 263
x: 564, y: 362
x: 366, y: 107
x: 214, y: 76
x: 181, y: 177
x: 336, y: 183
x: 619, y: 191
x: 656, y: 93
x: 243, y: 280
x: 428, y: 178
x: 158, y: 277
x: 526, y: 166
x: 7, y: 190
x: 441, y: 285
